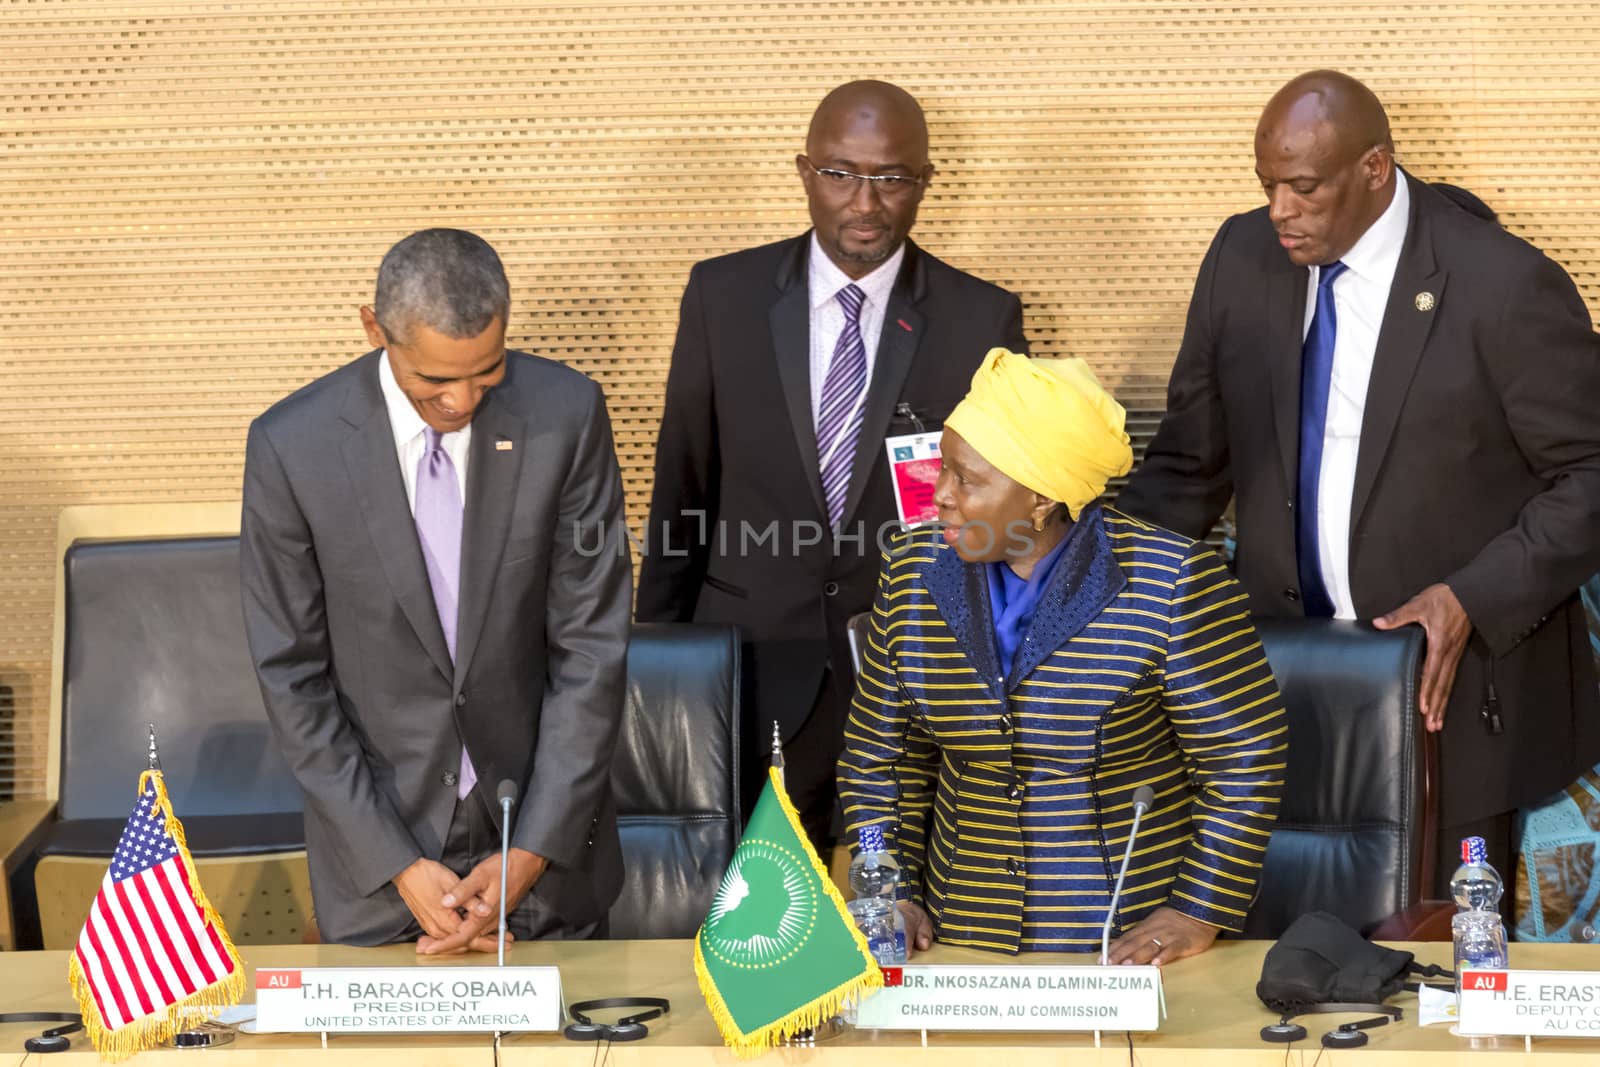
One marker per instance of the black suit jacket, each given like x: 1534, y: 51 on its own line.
x: 359, y: 685
x: 738, y: 447
x: 1479, y: 467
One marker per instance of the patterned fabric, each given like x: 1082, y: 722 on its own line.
x: 839, y: 425
x: 1008, y: 800
x: 1558, y: 881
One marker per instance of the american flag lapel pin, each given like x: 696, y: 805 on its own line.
x: 504, y: 444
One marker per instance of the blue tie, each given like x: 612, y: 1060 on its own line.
x: 1316, y: 369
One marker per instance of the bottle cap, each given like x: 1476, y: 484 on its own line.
x: 1474, y: 851
x: 872, y: 839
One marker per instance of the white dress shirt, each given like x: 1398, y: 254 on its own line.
x: 410, y: 441
x: 1360, y: 295
x: 827, y: 316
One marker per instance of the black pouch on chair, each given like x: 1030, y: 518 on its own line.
x: 1320, y: 960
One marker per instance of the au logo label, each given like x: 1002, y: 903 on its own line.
x: 1489, y: 981
x: 277, y: 979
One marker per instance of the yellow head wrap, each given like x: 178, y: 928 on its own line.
x: 1046, y: 424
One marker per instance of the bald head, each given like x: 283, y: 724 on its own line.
x: 1350, y: 110
x: 871, y: 103
x: 1326, y: 162
x: 865, y: 169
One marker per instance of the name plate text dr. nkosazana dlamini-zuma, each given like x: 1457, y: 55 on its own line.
x: 951, y: 997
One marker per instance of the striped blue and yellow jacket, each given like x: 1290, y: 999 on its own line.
x: 1009, y: 799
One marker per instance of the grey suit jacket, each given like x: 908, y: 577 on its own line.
x: 1479, y: 467
x: 358, y: 683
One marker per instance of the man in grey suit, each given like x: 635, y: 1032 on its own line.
x: 427, y: 621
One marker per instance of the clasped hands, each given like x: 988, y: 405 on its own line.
x: 463, y: 914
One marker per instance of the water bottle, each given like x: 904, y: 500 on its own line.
x: 1476, y: 886
x: 1477, y: 930
x: 874, y: 876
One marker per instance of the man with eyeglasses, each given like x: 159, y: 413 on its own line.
x: 793, y: 362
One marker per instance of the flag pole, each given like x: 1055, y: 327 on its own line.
x: 777, y: 751
x: 155, y: 760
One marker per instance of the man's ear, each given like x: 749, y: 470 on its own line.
x: 1379, y: 165
x: 369, y: 323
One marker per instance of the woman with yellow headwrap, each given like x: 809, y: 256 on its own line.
x: 1032, y: 664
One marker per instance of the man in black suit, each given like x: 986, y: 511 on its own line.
x: 792, y: 364
x: 1402, y: 398
x: 425, y: 624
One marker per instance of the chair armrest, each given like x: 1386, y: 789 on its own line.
x: 22, y: 826
x: 1426, y: 920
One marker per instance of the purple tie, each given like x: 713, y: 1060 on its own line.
x: 438, y: 515
x: 839, y: 420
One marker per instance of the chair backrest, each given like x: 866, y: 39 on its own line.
x: 153, y: 633
x: 676, y: 776
x: 858, y: 630
x: 1355, y: 835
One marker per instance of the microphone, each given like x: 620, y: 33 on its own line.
x: 506, y: 794
x: 1143, y: 799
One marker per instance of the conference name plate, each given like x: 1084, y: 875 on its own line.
x: 397, y: 1000
x: 1055, y: 998
x: 1529, y: 1003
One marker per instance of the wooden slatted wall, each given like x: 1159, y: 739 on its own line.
x: 194, y: 195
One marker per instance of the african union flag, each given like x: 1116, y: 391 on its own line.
x: 778, y: 953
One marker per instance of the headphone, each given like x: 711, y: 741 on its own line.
x: 627, y: 1028
x: 52, y: 1040
x: 1345, y: 1035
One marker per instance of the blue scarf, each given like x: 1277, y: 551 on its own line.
x: 1013, y: 600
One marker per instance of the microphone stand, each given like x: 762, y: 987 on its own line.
x: 1143, y: 798
x: 505, y: 793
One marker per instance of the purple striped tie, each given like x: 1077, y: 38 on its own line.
x: 438, y: 516
x: 839, y: 420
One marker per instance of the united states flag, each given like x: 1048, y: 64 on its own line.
x: 151, y: 944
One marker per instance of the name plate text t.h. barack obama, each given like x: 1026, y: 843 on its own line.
x: 392, y: 1000
x: 960, y: 997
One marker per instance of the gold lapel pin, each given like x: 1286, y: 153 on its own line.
x: 504, y: 445
x: 1424, y: 301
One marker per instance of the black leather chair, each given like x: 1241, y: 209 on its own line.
x: 152, y: 632
x: 1355, y: 836
x: 676, y: 776
x: 1356, y: 832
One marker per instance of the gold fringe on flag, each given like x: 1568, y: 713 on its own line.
x: 808, y: 1016
x: 116, y: 1045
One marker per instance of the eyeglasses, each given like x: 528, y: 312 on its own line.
x: 888, y: 186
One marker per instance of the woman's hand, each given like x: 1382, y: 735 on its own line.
x: 1165, y: 935
x: 919, y: 928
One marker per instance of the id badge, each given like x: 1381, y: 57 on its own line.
x: 914, y: 468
